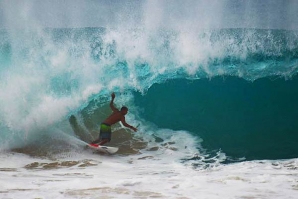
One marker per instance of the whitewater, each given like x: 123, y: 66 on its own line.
x: 212, y: 88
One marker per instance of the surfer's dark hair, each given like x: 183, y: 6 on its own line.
x: 124, y: 108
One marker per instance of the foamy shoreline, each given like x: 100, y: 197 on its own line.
x: 88, y: 175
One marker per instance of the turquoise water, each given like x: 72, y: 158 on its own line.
x: 233, y: 88
x: 255, y: 120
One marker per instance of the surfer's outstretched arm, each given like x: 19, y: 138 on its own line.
x: 112, y: 103
x: 127, y: 125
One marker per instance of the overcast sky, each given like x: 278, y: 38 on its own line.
x: 150, y: 13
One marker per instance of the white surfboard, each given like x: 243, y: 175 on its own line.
x: 105, y: 149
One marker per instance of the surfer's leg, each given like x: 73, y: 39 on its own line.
x: 103, y: 141
x: 96, y: 141
x: 103, y: 138
x: 105, y: 134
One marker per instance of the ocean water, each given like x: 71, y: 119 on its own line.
x: 216, y: 111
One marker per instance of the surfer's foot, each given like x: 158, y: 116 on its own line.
x: 95, y: 145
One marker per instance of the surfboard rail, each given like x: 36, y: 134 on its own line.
x: 105, y: 149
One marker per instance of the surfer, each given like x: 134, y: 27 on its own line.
x: 105, y: 127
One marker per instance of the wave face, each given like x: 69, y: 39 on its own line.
x: 49, y: 74
x: 255, y: 120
